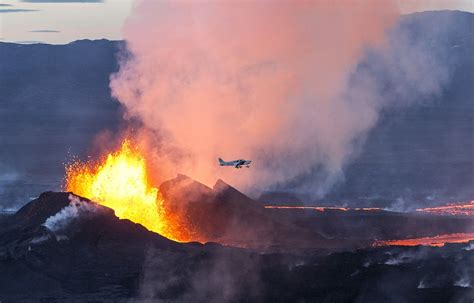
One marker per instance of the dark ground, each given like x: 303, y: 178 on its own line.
x: 96, y: 257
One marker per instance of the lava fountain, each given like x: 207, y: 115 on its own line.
x: 120, y: 181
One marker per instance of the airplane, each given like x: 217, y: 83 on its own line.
x: 236, y: 163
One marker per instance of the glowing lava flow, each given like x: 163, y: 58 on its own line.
x: 322, y: 208
x: 120, y: 182
x: 438, y: 241
x: 463, y: 209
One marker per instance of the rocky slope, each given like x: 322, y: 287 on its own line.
x: 60, y: 248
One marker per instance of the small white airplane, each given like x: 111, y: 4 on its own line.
x: 236, y: 163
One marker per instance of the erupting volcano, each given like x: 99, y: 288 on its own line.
x: 120, y: 181
x: 354, y: 119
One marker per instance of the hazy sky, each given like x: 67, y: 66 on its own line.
x: 63, y: 21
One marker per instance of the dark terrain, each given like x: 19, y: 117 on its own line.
x: 55, y: 102
x: 223, y: 214
x: 92, y: 255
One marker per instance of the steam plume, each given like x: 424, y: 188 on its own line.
x: 76, y: 209
x: 263, y: 80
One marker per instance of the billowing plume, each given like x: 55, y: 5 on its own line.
x: 263, y: 80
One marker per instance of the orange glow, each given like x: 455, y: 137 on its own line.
x: 322, y: 208
x: 120, y: 181
x: 438, y: 241
x: 463, y: 209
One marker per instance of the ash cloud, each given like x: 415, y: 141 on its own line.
x: 278, y: 83
x: 257, y: 80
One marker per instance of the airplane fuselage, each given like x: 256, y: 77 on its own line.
x: 236, y: 163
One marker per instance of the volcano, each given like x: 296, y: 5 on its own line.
x: 61, y: 247
x: 223, y: 214
x: 357, y: 119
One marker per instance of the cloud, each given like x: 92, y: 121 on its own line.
x: 29, y: 42
x: 17, y: 10
x: 63, y: 1
x: 296, y: 89
x: 272, y: 93
x: 44, y: 31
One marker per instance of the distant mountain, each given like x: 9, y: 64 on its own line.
x: 54, y: 99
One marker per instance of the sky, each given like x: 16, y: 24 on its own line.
x: 63, y: 21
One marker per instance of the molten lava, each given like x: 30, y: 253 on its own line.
x: 455, y: 209
x: 120, y: 181
x: 438, y: 241
x: 323, y: 208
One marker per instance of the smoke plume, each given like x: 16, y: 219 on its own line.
x: 260, y: 80
x: 76, y: 209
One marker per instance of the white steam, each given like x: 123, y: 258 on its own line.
x: 75, y: 210
x: 271, y: 81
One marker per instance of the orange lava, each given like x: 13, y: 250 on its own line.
x: 121, y: 182
x: 437, y: 241
x: 322, y: 208
x: 455, y: 209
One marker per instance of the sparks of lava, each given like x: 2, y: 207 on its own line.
x: 438, y: 241
x: 464, y: 209
x: 120, y: 181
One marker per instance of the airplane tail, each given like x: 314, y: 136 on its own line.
x: 221, y: 162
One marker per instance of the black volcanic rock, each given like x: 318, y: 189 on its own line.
x: 46, y: 205
x: 83, y: 254
x: 99, y: 258
x: 35, y: 214
x: 225, y: 215
x: 94, y: 227
x: 37, y: 211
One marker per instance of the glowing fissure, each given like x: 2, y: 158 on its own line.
x: 455, y: 209
x: 120, y: 181
x: 439, y: 240
x: 322, y: 208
